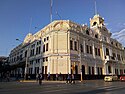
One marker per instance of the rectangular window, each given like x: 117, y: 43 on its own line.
x: 89, y: 70
x: 47, y: 38
x: 92, y: 70
x: 81, y: 47
x: 44, y: 39
x: 101, y: 71
x: 87, y: 48
x: 46, y: 58
x: 114, y: 55
x: 33, y: 45
x: 33, y: 52
x: 36, y: 50
x: 98, y: 70
x: 99, y: 52
x: 105, y: 39
x: 44, y: 48
x: 45, y: 69
x: 75, y: 45
x: 71, y: 45
x: 40, y: 42
x: 43, y: 59
x: 118, y: 56
x: 47, y: 47
x: 37, y: 43
x: 39, y: 50
x: 25, y: 53
x: 30, y: 52
x: 90, y: 49
x: 96, y: 51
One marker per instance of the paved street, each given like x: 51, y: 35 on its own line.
x: 87, y: 87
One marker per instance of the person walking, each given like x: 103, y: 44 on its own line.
x: 56, y: 76
x: 60, y: 76
x: 73, y: 79
x: 68, y: 78
x: 48, y: 77
x: 37, y: 77
x: 40, y: 78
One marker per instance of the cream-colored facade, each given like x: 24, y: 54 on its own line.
x: 67, y: 47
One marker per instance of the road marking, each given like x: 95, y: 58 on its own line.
x: 106, y: 87
x: 53, y: 90
x: 109, y: 89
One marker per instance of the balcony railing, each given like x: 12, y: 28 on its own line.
x: 110, y: 58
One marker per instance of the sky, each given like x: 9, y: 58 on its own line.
x: 20, y: 17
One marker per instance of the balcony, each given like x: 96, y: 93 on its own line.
x: 110, y: 58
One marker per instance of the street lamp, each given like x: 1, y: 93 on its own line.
x: 81, y: 66
x: 26, y: 64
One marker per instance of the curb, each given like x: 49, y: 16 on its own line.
x: 27, y: 81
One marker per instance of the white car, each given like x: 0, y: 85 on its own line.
x: 111, y: 78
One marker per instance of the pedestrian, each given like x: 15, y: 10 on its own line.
x: 40, y: 78
x: 68, y: 78
x: 60, y: 76
x: 28, y: 77
x: 56, y: 76
x: 8, y: 78
x: 73, y: 79
x: 37, y: 77
x: 48, y: 77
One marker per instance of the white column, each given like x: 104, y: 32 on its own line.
x: 33, y: 72
x: 84, y: 46
x: 40, y: 66
x: 103, y: 52
x: 93, y: 51
x: 105, y: 69
x: 119, y: 70
x: 110, y: 52
x: 112, y: 69
x: 26, y: 66
x: 48, y: 65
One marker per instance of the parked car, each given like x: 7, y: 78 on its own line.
x: 111, y: 78
x: 122, y: 78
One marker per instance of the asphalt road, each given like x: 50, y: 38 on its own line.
x: 86, y: 87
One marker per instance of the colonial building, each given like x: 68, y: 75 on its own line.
x: 67, y: 47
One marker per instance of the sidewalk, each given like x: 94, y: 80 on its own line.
x: 51, y: 81
x: 44, y: 81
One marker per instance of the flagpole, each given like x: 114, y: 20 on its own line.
x: 51, y: 10
x: 95, y: 8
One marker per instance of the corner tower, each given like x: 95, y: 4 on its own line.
x: 97, y: 21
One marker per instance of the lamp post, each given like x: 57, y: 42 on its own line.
x: 26, y: 64
x: 80, y: 57
x: 81, y: 66
x: 25, y: 73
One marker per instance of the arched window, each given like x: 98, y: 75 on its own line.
x: 87, y: 32
x: 94, y: 23
x: 107, y: 51
x: 96, y: 35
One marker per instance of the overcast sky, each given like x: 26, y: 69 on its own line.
x: 16, y: 15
